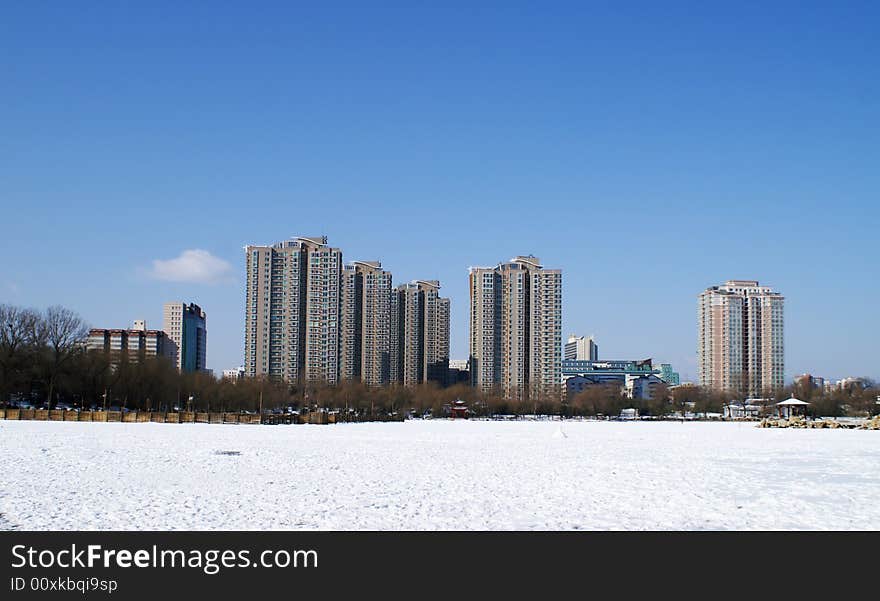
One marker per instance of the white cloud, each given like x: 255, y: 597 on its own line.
x: 196, y: 265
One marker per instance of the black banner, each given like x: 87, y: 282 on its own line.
x: 244, y: 565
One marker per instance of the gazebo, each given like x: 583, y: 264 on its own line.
x: 791, y: 407
x: 458, y: 409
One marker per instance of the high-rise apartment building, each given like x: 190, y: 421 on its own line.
x: 185, y: 324
x: 581, y: 348
x: 311, y: 318
x: 436, y: 326
x: 516, y: 328
x: 365, y: 317
x: 292, y: 315
x: 740, y: 344
x: 420, y: 323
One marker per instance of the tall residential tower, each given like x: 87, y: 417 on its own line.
x: 516, y: 328
x: 292, y: 310
x: 365, y: 317
x: 420, y: 322
x: 740, y: 344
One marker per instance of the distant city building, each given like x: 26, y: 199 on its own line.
x: 459, y: 373
x: 460, y: 364
x: 516, y: 328
x: 581, y: 348
x: 575, y: 385
x: 581, y: 358
x: 637, y: 379
x: 292, y: 325
x: 810, y: 381
x: 186, y: 325
x: 233, y: 374
x: 850, y: 383
x: 607, y: 371
x: 132, y: 345
x: 740, y: 345
x: 668, y: 375
x: 643, y: 387
x: 139, y: 324
x: 612, y: 372
x: 420, y: 322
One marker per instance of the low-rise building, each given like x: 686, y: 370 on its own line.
x: 614, y: 371
x: 741, y: 411
x: 233, y: 374
x: 629, y: 413
x: 850, y: 383
x: 459, y: 373
x: 643, y: 387
x: 131, y: 345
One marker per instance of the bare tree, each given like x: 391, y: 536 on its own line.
x: 62, y: 331
x: 685, y: 398
x: 660, y: 400
x: 17, y: 329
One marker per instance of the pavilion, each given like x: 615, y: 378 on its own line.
x: 791, y: 407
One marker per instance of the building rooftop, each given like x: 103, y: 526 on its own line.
x: 741, y: 283
x: 528, y: 260
x: 311, y: 239
x: 371, y: 264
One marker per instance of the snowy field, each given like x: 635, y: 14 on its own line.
x: 436, y: 475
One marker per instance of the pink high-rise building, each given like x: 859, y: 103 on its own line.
x: 740, y: 346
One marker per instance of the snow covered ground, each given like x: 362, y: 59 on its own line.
x: 436, y: 474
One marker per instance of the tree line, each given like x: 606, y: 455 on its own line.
x: 44, y: 361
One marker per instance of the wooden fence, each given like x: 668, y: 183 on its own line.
x: 185, y: 417
x: 189, y: 417
x: 161, y: 417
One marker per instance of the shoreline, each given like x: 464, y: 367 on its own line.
x: 327, y: 418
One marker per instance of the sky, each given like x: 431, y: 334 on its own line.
x: 648, y: 149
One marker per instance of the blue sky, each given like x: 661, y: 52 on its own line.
x: 648, y: 149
